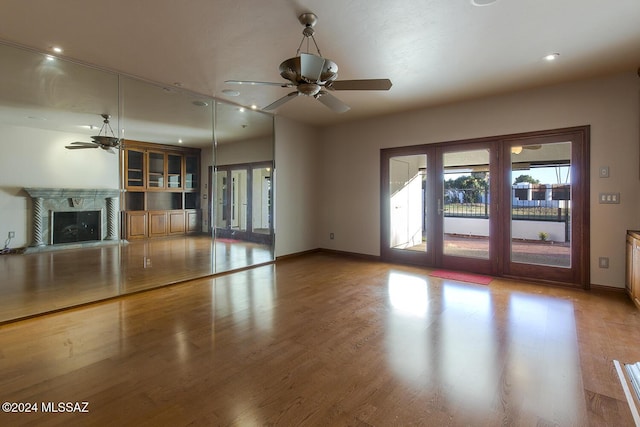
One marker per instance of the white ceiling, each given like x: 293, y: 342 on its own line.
x: 434, y: 51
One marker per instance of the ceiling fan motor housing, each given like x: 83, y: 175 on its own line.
x: 309, y: 89
x: 292, y: 69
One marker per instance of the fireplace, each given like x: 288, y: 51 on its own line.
x: 72, y: 227
x: 70, y: 217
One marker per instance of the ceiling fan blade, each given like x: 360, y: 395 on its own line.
x: 281, y: 101
x: 332, y: 102
x: 367, y: 84
x: 244, y: 82
x: 79, y: 145
x: 311, y: 66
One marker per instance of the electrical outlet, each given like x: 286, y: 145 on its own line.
x: 12, y: 234
x: 603, y: 262
x: 331, y: 236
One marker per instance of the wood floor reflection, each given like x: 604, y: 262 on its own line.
x: 323, y: 340
x: 47, y: 281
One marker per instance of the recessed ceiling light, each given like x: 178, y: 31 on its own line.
x: 57, y: 49
x: 230, y: 92
x: 50, y: 57
x: 199, y: 103
x: 481, y: 3
x: 254, y: 107
x: 179, y: 141
x: 551, y: 57
x: 241, y: 109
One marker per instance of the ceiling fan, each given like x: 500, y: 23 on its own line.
x: 313, y: 75
x: 517, y: 149
x: 99, y: 141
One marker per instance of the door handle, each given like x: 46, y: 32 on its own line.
x: 440, y: 207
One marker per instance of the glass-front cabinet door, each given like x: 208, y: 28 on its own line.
x: 191, y: 172
x: 156, y: 170
x: 134, y: 165
x: 174, y: 171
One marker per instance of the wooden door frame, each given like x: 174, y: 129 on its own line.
x: 580, y: 276
x: 580, y: 185
x: 476, y: 265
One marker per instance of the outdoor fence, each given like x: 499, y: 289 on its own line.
x: 529, y: 203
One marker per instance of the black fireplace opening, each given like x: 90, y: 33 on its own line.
x: 71, y: 227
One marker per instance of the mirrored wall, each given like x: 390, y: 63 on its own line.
x: 186, y: 193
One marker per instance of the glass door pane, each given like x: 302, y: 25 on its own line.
x: 407, y: 203
x: 465, y: 203
x: 541, y: 204
x: 156, y: 170
x: 261, y: 200
x: 239, y: 199
x: 221, y: 202
x: 174, y: 171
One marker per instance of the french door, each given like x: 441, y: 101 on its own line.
x: 242, y: 197
x: 507, y: 206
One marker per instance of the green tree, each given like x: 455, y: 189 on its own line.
x: 473, y: 187
x: 526, y: 178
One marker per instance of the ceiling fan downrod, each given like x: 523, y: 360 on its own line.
x: 309, y: 20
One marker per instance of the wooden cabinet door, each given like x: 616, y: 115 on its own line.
x: 635, y: 273
x: 156, y: 170
x: 193, y: 221
x: 136, y: 225
x: 176, y: 222
x: 629, y: 266
x: 157, y: 223
x: 134, y: 169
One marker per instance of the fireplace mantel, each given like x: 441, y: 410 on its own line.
x: 49, y: 200
x: 68, y: 193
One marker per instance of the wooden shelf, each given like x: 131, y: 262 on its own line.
x: 162, y: 184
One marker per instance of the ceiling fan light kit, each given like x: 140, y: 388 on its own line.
x: 311, y: 75
x: 105, y: 141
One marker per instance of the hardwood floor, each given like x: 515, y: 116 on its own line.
x: 325, y: 340
x: 48, y: 281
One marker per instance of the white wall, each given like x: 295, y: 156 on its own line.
x: 32, y: 157
x: 297, y: 178
x: 248, y: 151
x: 351, y: 158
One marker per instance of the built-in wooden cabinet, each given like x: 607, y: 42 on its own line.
x: 162, y: 190
x: 632, y: 281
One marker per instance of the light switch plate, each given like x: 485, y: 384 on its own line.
x: 609, y: 198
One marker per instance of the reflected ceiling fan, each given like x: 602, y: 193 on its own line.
x: 517, y: 149
x: 313, y: 75
x: 99, y: 141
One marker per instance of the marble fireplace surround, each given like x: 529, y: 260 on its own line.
x: 45, y: 201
